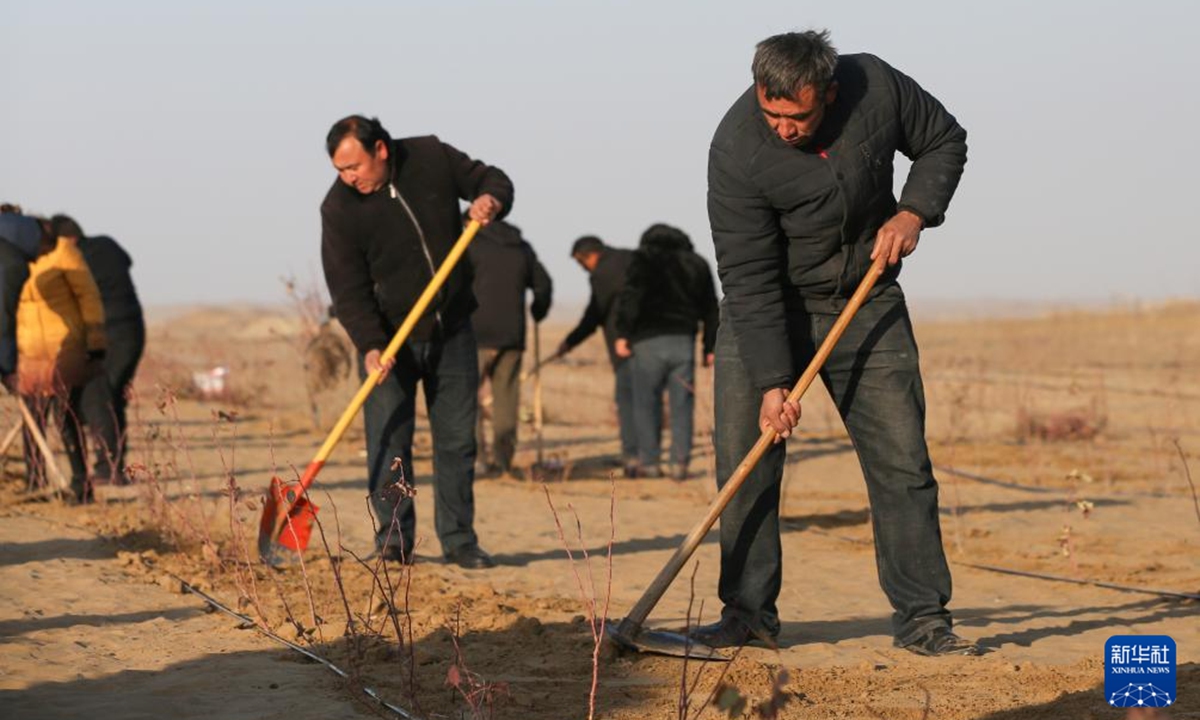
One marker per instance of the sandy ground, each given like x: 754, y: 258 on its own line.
x: 79, y: 637
x: 92, y: 625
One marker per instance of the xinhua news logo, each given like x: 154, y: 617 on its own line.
x: 1139, y: 670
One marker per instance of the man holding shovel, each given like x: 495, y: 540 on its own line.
x: 800, y: 203
x: 389, y: 220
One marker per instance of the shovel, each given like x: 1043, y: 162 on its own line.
x: 629, y: 633
x: 543, y: 469
x: 537, y: 391
x: 11, y: 437
x: 288, y: 514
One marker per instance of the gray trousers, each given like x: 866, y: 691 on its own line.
x: 664, y: 364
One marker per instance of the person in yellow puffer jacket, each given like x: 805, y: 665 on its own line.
x: 60, y: 343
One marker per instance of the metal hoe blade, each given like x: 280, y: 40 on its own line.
x: 660, y: 642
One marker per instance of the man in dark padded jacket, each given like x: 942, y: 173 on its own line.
x: 800, y: 201
x: 387, y: 223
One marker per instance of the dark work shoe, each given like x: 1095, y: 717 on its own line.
x: 940, y: 641
x: 732, y: 632
x: 471, y: 557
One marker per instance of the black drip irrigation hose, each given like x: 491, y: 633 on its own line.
x: 217, y: 605
x: 1035, y: 575
x: 1038, y: 489
x: 1076, y: 581
x: 1007, y: 484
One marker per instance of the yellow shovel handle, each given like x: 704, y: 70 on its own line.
x: 439, y: 279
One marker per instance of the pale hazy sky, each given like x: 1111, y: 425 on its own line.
x: 193, y: 133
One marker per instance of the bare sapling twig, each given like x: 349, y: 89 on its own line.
x: 588, y: 594
x: 369, y: 607
x: 381, y: 580
x: 351, y: 633
x: 335, y: 561
x: 303, y: 632
x: 479, y: 694
x: 1187, y: 474
x: 685, y: 692
x: 244, y: 561
x: 722, y: 696
x: 400, y: 490
x: 243, y: 569
x: 171, y: 518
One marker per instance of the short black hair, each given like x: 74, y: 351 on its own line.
x: 10, y: 208
x: 587, y: 245
x: 783, y: 64
x: 65, y: 226
x: 367, y: 131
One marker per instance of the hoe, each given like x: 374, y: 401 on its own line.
x: 629, y: 633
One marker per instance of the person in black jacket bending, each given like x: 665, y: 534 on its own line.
x: 505, y: 266
x: 387, y: 223
x: 104, y: 402
x: 800, y: 202
x: 668, y: 293
x: 606, y: 268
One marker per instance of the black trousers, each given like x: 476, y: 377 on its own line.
x: 104, y: 400
x: 448, y: 371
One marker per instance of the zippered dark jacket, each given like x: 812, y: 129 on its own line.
x: 379, y: 251
x: 668, y: 290
x: 110, y: 265
x: 505, y: 266
x: 607, y: 281
x: 794, y: 225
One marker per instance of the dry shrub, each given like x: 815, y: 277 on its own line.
x: 1061, y: 425
x: 327, y: 359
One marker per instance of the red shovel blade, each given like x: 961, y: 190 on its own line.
x: 287, y: 520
